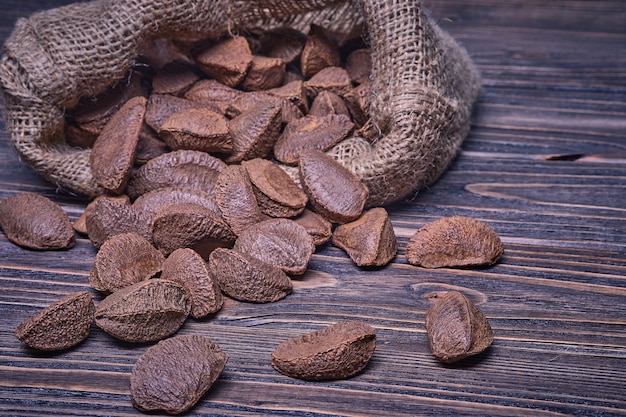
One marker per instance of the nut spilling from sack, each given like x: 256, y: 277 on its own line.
x: 265, y: 79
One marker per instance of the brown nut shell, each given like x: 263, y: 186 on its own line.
x: 144, y: 312
x: 318, y: 227
x: 358, y: 102
x: 191, y: 226
x: 62, y: 325
x: 92, y: 113
x: 187, y: 267
x: 368, y: 240
x: 197, y: 129
x: 183, y: 168
x: 35, y: 222
x: 111, y: 216
x: 311, y: 132
x: 247, y: 101
x: 319, y: 52
x: 334, y: 192
x: 264, y: 73
x: 283, y: 42
x: 246, y: 278
x: 113, y: 153
x: 457, y: 328
x: 236, y: 199
x: 213, y: 94
x: 327, y: 102
x: 174, y: 78
x: 174, y: 374
x: 254, y: 132
x: 333, y: 79
x: 149, y: 146
x: 338, y: 351
x: 293, y: 91
x: 80, y: 224
x: 152, y: 202
x: 452, y: 242
x: 276, y: 192
x: 227, y: 61
x: 123, y: 260
x: 161, y: 106
x: 280, y: 242
x: 359, y: 65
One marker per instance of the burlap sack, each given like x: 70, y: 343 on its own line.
x: 424, y: 82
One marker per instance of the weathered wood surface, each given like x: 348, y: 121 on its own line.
x: 544, y: 165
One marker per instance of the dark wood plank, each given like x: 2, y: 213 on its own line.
x: 543, y: 165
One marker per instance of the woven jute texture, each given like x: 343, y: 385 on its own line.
x: 424, y: 83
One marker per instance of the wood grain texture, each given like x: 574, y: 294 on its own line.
x: 544, y: 165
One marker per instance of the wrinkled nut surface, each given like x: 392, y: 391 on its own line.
x: 227, y: 61
x: 454, y: 242
x: 369, y: 131
x: 246, y: 278
x: 189, y: 269
x: 319, y: 228
x: 338, y: 351
x: 311, y: 132
x: 149, y: 146
x: 333, y: 79
x: 358, y: 102
x: 236, y: 199
x: 264, y: 73
x: 191, y: 226
x: 213, y: 94
x: 161, y: 106
x: 327, y: 102
x: 254, y: 132
x: 123, y: 260
x: 35, y: 222
x: 109, y: 217
x: 62, y: 325
x: 456, y: 328
x: 247, y: 101
x: 182, y: 168
x: 197, y: 129
x: 293, y: 91
x: 113, y: 153
x: 80, y: 224
x: 75, y: 136
x: 152, y: 202
x: 319, y: 52
x: 174, y: 374
x: 280, y: 242
x: 277, y: 194
x: 369, y: 240
x: 334, y: 192
x: 144, y: 312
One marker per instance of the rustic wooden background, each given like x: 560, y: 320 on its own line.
x: 544, y: 165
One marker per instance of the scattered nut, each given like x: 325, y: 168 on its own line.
x: 174, y: 374
x: 35, y: 222
x: 147, y: 311
x: 456, y: 328
x: 62, y: 325
x: 338, y: 351
x: 454, y: 242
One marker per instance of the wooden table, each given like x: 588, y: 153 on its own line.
x: 544, y: 165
